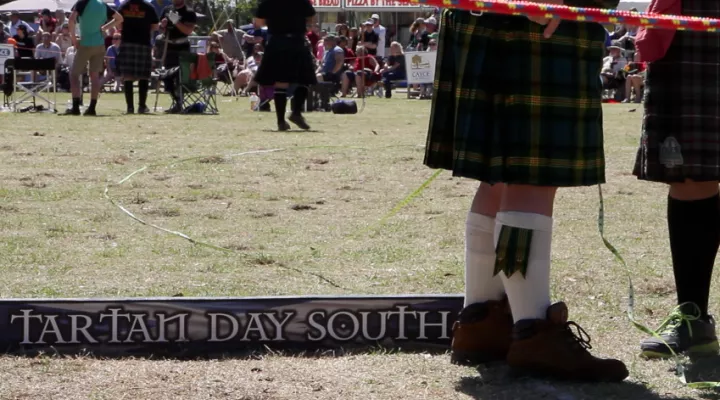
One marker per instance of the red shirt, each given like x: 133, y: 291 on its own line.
x: 49, y: 25
x: 314, y: 39
x: 349, y: 54
x: 363, y: 62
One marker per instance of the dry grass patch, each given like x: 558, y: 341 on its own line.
x: 287, y: 222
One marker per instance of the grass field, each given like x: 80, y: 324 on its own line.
x: 291, y: 215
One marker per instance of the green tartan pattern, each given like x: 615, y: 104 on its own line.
x: 513, y: 107
x: 512, y: 252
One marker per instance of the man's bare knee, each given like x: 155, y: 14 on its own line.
x: 487, y: 199
x: 529, y: 198
x: 691, y: 190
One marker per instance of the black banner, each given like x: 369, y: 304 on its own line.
x: 183, y: 326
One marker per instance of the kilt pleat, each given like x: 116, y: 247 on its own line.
x: 134, y: 60
x: 681, y: 124
x: 286, y: 60
x: 511, y: 106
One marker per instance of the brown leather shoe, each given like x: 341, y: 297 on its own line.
x: 482, y: 333
x: 551, y: 349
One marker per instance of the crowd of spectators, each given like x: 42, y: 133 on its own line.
x: 358, y: 61
x: 622, y: 75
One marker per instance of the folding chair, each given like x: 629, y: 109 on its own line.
x: 28, y: 92
x: 198, y: 86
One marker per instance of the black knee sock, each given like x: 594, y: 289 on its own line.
x: 128, y: 87
x: 298, y: 100
x: 694, y: 228
x: 143, y: 86
x: 76, y: 103
x: 280, y: 99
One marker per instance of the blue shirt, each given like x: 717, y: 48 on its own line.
x: 329, y: 59
x: 92, y: 15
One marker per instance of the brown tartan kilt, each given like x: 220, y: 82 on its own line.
x: 681, y: 126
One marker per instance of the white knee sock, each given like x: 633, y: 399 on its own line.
x: 480, y: 284
x: 529, y: 296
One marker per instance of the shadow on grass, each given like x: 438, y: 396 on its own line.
x: 705, y: 369
x: 497, y: 383
x: 294, y: 130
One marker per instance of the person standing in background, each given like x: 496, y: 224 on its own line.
x: 15, y: 22
x: 369, y: 39
x: 92, y: 16
x: 287, y: 59
x: 47, y: 22
x: 381, y: 32
x: 178, y: 22
x: 134, y: 61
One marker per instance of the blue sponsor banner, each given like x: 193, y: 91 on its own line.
x: 182, y: 326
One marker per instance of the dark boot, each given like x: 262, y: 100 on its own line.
x: 482, y: 333
x: 684, y: 333
x: 551, y: 348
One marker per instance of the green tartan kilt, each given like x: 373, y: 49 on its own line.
x: 513, y: 107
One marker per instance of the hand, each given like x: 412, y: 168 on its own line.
x: 550, y: 23
x: 174, y: 17
x: 74, y: 42
x: 163, y: 23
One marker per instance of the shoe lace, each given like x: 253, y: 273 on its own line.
x: 677, y: 317
x: 578, y: 336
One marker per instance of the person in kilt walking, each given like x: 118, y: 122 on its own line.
x: 134, y: 60
x: 287, y: 59
x: 679, y: 147
x: 517, y: 106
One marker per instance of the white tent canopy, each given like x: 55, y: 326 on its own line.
x: 641, y: 5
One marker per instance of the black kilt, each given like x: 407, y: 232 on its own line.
x: 287, y: 59
x: 681, y: 125
x: 134, y: 60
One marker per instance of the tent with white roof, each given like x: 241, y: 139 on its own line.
x: 641, y: 5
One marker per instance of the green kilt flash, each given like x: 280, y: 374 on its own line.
x: 511, y: 106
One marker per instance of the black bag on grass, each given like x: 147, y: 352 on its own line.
x: 344, y: 107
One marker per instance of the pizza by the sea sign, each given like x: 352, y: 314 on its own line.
x: 226, y: 324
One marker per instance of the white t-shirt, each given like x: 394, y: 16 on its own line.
x: 70, y: 56
x: 381, y: 31
x: 619, y: 64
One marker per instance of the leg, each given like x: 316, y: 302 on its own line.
x: 280, y: 98
x: 484, y: 327
x: 76, y: 91
x: 76, y: 77
x: 128, y: 88
x: 637, y: 82
x: 693, y: 216
x: 97, y: 60
x: 544, y: 342
x: 360, y: 84
x: 526, y: 210
x: 296, y: 105
x: 94, y: 92
x: 143, y: 87
x: 345, y: 84
x: 694, y: 226
x: 628, y: 89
